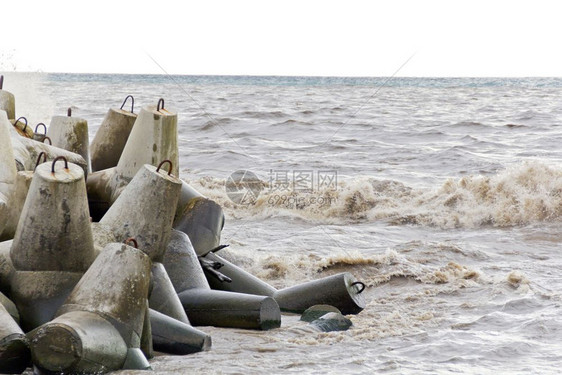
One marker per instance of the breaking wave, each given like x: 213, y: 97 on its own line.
x: 527, y: 193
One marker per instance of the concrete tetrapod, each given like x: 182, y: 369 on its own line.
x: 8, y: 172
x: 172, y: 336
x: 53, y: 244
x: 71, y: 134
x: 7, y: 101
x: 163, y: 297
x: 111, y: 137
x: 14, y: 346
x: 145, y: 210
x: 342, y: 291
x: 211, y: 307
x: 102, y: 319
x: 153, y: 138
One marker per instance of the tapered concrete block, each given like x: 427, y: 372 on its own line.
x: 242, y: 281
x: 145, y: 210
x: 8, y: 172
x: 174, y: 337
x: 10, y: 307
x: 7, y: 269
x: 111, y: 137
x: 78, y: 342
x: 182, y: 264
x: 227, y: 309
x: 152, y: 139
x: 163, y: 297
x: 71, y: 134
x: 54, y: 232
x: 14, y: 346
x: 342, y: 291
x: 115, y: 287
x: 7, y: 101
x: 39, y: 294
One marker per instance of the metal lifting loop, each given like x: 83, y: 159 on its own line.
x: 44, y: 127
x: 47, y: 138
x: 1, y: 81
x: 361, y: 284
x: 132, y: 103
x: 69, y: 112
x: 44, y: 155
x: 158, y: 108
x: 57, y: 159
x: 131, y: 239
x: 21, y: 118
x: 160, y: 165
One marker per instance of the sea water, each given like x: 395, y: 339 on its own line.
x: 443, y: 195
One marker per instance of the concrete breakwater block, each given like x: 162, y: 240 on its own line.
x: 71, y: 134
x: 111, y: 137
x: 332, y: 321
x: 7, y: 100
x: 172, y: 336
x: 101, y: 319
x: 163, y: 297
x: 145, y: 210
x: 14, y: 346
x: 234, y: 310
x: 316, y: 311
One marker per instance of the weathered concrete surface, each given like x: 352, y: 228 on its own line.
x: 10, y: 307
x: 78, y: 342
x: 6, y: 267
x: 8, y: 172
x: 8, y: 103
x: 152, y: 139
x: 54, y: 232
x: 182, y: 264
x: 110, y: 139
x: 242, y: 281
x: 115, y: 287
x: 227, y: 309
x: 39, y: 294
x: 163, y: 297
x: 202, y: 220
x: 136, y: 360
x: 174, y: 337
x: 341, y: 291
x: 14, y: 346
x: 27, y: 150
x: 71, y: 134
x: 22, y: 127
x: 145, y: 210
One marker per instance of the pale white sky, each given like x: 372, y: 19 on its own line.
x: 345, y: 38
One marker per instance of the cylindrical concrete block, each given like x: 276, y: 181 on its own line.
x: 54, y: 232
x: 154, y: 138
x: 342, y: 291
x: 136, y: 360
x: 182, y: 264
x: 110, y: 139
x: 115, y: 287
x: 164, y: 298
x: 78, y: 342
x: 145, y: 210
x: 7, y: 102
x: 14, y: 346
x: 71, y: 134
x: 202, y: 220
x: 226, y: 309
x: 174, y: 337
x: 242, y: 281
x: 39, y: 294
x: 7, y: 269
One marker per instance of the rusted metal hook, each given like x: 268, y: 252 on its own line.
x: 44, y: 127
x: 1, y: 81
x: 132, y: 103
x: 69, y: 112
x: 50, y: 142
x: 25, y: 120
x: 44, y: 155
x: 131, y: 239
x: 57, y: 159
x: 160, y: 165
x: 158, y: 105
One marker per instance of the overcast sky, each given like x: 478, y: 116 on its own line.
x: 343, y: 38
